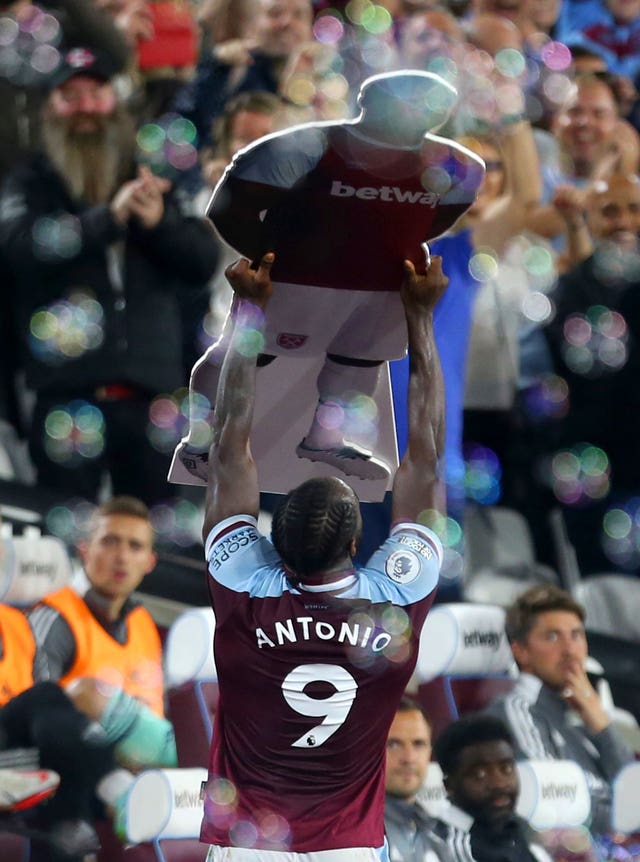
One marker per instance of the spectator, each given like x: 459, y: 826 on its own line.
x: 44, y: 717
x: 525, y: 26
x: 476, y: 755
x: 543, y: 15
x: 554, y: 711
x: 428, y: 36
x: 102, y: 645
x: 408, y: 826
x: 304, y: 775
x: 591, y: 141
x: 515, y: 11
x: 312, y: 86
x: 510, y: 190
x: 611, y: 28
x: 41, y: 716
x: 226, y: 20
x: 282, y: 27
x: 166, y: 57
x: 75, y: 22
x: 17, y: 651
x: 603, y: 408
x: 133, y: 18
x: 493, y: 32
x: 492, y: 370
x: 22, y: 95
x: 306, y: 180
x: 93, y: 252
x: 246, y: 117
x: 590, y: 132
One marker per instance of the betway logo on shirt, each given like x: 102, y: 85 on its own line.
x: 384, y: 193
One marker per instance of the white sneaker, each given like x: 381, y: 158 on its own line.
x: 350, y: 459
x: 24, y: 788
x: 195, y: 461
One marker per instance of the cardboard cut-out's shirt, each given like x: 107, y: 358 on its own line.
x: 349, y: 209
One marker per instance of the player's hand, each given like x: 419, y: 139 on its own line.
x: 252, y: 284
x: 582, y: 696
x: 423, y: 291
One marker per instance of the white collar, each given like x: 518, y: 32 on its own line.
x: 329, y: 586
x: 529, y: 686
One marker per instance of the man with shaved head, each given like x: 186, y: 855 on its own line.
x: 601, y: 298
x: 313, y: 654
x: 613, y: 212
x: 493, y: 33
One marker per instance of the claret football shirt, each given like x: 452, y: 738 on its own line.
x: 309, y: 678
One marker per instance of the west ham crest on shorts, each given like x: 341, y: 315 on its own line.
x: 290, y: 341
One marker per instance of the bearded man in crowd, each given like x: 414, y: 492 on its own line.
x: 104, y: 264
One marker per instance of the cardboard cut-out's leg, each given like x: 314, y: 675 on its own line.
x: 283, y: 415
x: 282, y: 418
x: 341, y: 430
x: 344, y: 429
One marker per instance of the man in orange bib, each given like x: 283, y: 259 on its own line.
x: 45, y: 749
x: 17, y: 651
x: 103, y: 646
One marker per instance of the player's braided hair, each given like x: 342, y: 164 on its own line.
x: 313, y: 527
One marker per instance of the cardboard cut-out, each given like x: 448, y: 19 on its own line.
x: 342, y: 205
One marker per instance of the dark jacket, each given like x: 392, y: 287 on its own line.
x: 602, y: 374
x: 544, y: 727
x: 57, y: 246
x: 469, y: 841
x: 203, y: 99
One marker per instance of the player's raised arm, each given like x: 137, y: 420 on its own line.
x: 417, y: 485
x: 233, y: 482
